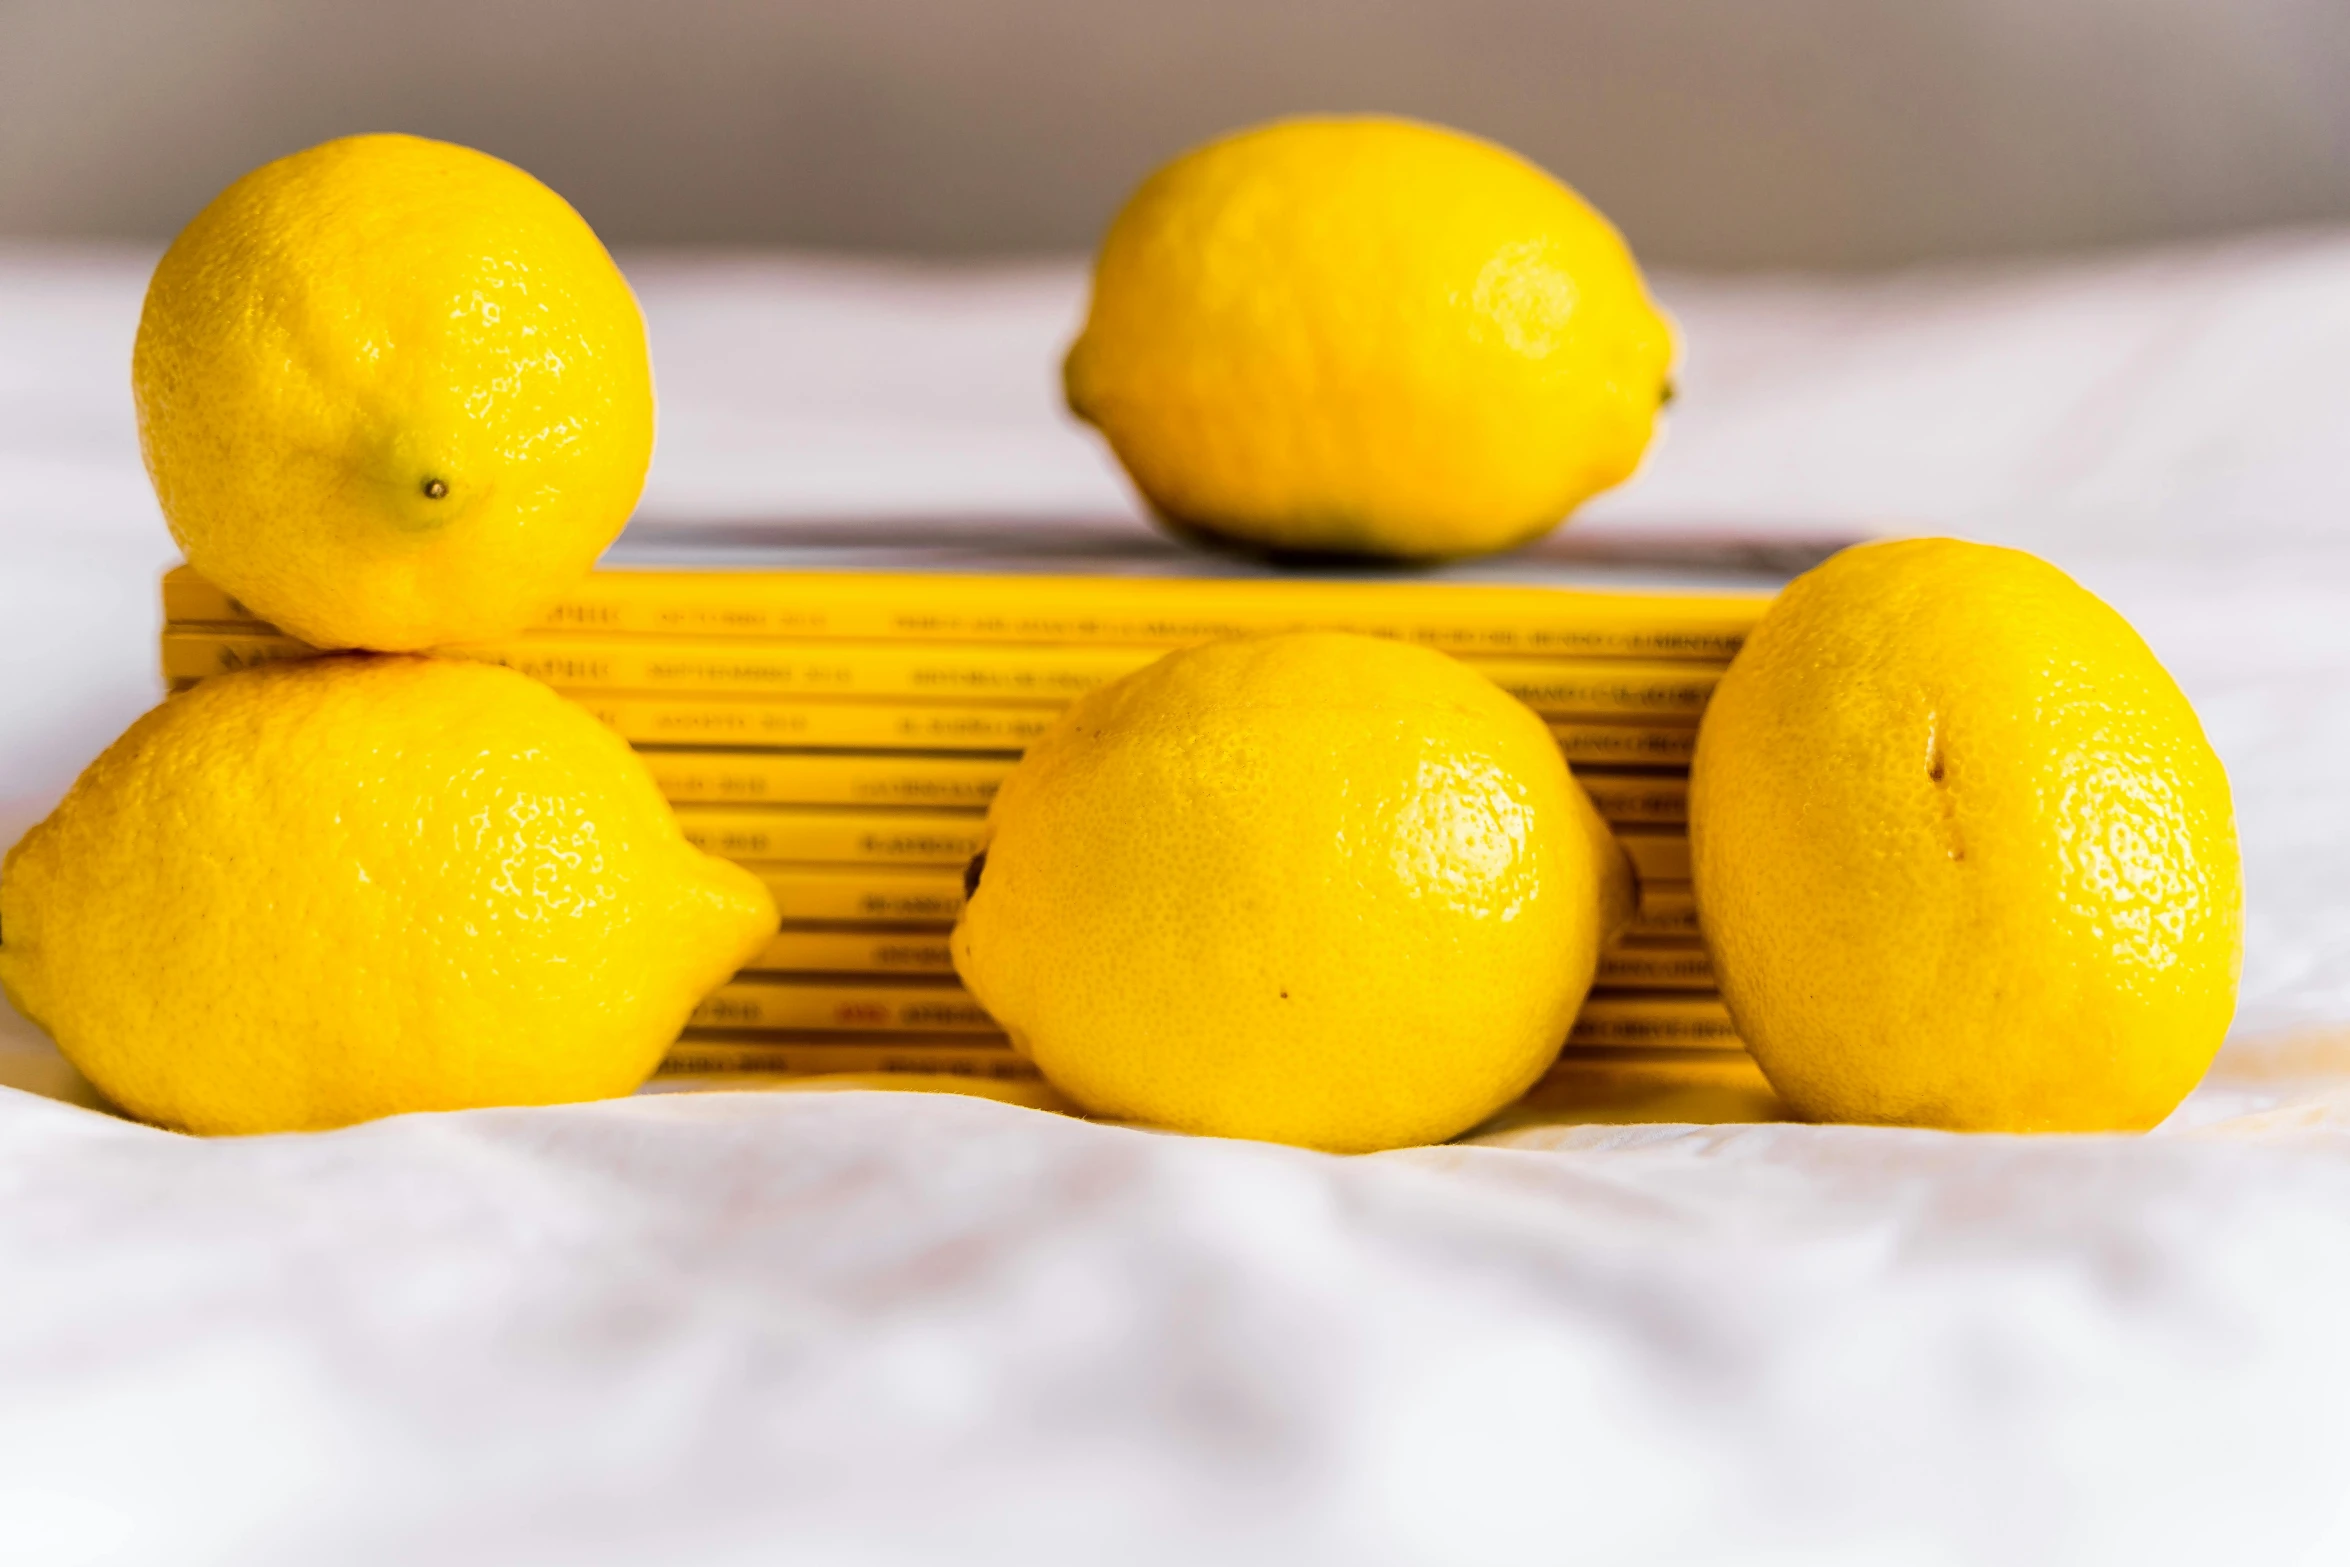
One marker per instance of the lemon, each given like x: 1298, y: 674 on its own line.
x: 1962, y: 852
x: 392, y: 394
x: 1367, y: 337
x: 1311, y: 888
x: 311, y: 893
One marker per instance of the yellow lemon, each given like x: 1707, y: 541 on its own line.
x: 1962, y: 852
x: 312, y: 893
x: 392, y: 394
x: 1312, y: 888
x: 1367, y: 337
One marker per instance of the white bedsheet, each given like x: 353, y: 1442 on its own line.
x: 864, y: 1328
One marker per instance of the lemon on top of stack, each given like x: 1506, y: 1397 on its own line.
x: 1367, y: 336
x: 393, y: 393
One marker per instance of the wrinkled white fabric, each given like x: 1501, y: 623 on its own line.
x: 882, y: 1328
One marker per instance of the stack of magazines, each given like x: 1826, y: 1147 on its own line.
x: 837, y: 719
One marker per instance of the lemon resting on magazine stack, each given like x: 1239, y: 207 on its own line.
x: 392, y: 393
x: 1367, y: 336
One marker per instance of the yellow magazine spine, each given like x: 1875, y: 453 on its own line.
x: 757, y: 1006
x: 1637, y: 799
x: 1730, y: 1062
x: 760, y: 1005
x: 906, y: 895
x: 1626, y: 745
x: 833, y: 894
x: 189, y: 596
x: 789, y: 778
x: 1505, y: 620
x: 833, y: 836
x: 1667, y: 909
x: 900, y: 669
x: 1654, y: 1023
x: 1607, y: 1084
x: 1641, y: 966
x: 849, y: 725
x: 823, y: 1055
x: 693, y: 777
x: 694, y: 1056
x: 819, y: 834
x: 846, y: 724
x: 1655, y: 966
x: 682, y: 664
x: 797, y: 951
x: 1562, y: 689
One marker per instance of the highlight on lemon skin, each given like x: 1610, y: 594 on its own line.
x: 315, y: 893
x: 1311, y: 888
x: 1497, y: 363
x: 392, y: 394
x: 1963, y: 855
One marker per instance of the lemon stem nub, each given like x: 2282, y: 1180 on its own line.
x: 435, y: 489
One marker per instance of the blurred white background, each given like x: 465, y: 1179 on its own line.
x: 1717, y: 132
